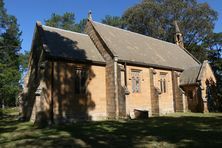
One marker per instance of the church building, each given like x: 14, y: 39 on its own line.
x: 108, y: 73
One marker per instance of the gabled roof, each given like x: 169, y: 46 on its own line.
x: 134, y: 47
x: 193, y: 75
x: 189, y: 76
x: 69, y: 45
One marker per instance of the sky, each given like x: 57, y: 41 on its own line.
x: 29, y: 11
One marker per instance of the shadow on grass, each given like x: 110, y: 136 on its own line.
x: 184, y: 131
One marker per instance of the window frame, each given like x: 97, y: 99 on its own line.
x: 136, y: 90
x: 163, y: 82
x: 80, y: 80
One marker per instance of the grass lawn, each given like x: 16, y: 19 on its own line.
x: 175, y: 130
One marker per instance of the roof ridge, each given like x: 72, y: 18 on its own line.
x: 152, y: 38
x: 68, y: 31
x: 199, y: 72
x: 190, y: 54
x: 133, y: 32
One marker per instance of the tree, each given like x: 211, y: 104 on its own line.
x: 23, y: 60
x: 3, y: 16
x: 213, y: 44
x: 10, y: 45
x: 81, y: 26
x: 66, y: 21
x: 114, y: 21
x: 23, y: 67
x: 155, y: 18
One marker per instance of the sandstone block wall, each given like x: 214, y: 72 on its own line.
x: 166, y: 101
x: 71, y: 106
x: 110, y: 75
x: 141, y: 100
x: 121, y: 91
x: 177, y: 93
x: 41, y: 109
x: 154, y: 94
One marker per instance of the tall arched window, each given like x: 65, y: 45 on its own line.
x: 81, y: 76
x: 136, y: 81
x: 163, y: 82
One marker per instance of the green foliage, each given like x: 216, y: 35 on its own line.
x: 155, y: 18
x: 23, y: 60
x: 114, y: 21
x: 79, y: 27
x: 213, y: 44
x: 3, y: 16
x: 66, y: 21
x: 9, y: 52
x: 23, y: 66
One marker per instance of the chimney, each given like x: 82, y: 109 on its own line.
x: 178, y: 37
x: 90, y: 15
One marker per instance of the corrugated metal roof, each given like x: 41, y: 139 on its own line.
x: 70, y: 45
x: 135, y: 47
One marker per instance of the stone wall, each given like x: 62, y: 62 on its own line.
x: 150, y: 98
x: 177, y: 93
x: 121, y: 91
x: 141, y: 100
x: 154, y: 94
x: 31, y: 83
x: 166, y: 100
x: 111, y: 91
x: 70, y: 106
x: 200, y: 100
x: 193, y: 98
x: 207, y: 81
x: 37, y: 88
x: 41, y: 110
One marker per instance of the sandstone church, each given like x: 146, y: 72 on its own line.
x: 108, y: 72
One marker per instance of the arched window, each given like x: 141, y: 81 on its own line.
x: 163, y: 83
x: 136, y: 81
x: 81, y: 76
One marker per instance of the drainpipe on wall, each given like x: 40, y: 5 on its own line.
x: 116, y: 85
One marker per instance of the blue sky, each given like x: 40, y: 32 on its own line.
x: 28, y: 11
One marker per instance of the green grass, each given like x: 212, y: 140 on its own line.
x: 174, y: 130
x: 9, y: 111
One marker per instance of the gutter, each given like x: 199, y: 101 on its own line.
x: 191, y: 84
x: 134, y: 63
x: 71, y: 60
